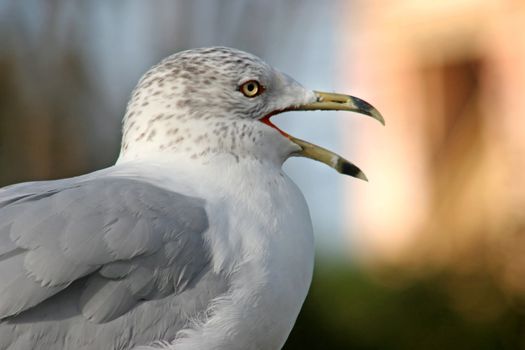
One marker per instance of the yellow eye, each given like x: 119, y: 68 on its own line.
x: 251, y: 88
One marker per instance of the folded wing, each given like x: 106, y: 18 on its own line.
x: 127, y: 240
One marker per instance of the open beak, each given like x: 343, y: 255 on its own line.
x: 337, y: 102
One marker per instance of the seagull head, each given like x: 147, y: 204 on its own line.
x: 206, y: 102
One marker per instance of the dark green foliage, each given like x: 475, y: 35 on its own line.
x: 346, y: 309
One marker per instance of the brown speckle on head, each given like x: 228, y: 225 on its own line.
x: 182, y: 103
x: 141, y: 136
x: 152, y: 134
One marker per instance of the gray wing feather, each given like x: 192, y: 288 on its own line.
x: 129, y: 240
x: 104, y: 300
x: 6, y: 244
x: 17, y: 291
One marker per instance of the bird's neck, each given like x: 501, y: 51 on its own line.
x: 202, y: 140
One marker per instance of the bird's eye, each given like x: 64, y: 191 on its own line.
x: 251, y: 88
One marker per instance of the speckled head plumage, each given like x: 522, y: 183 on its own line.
x: 198, y: 103
x: 203, y: 83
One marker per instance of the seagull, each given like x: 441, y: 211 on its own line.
x: 194, y: 239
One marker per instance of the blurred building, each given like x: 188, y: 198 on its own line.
x: 445, y: 174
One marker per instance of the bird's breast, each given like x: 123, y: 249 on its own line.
x: 260, y: 237
x: 266, y: 244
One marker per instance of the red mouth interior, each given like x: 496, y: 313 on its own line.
x: 266, y: 120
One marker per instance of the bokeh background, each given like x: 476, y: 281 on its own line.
x: 430, y: 254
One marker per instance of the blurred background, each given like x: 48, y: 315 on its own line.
x: 430, y: 254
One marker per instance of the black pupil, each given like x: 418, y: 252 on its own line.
x: 251, y: 87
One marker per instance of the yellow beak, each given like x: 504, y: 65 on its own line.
x: 337, y: 102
